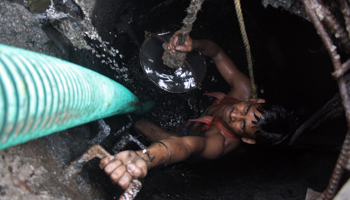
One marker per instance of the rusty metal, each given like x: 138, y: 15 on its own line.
x: 97, y: 151
x: 345, y: 9
x: 310, y: 5
x: 342, y: 70
x: 325, y: 15
x: 334, y: 182
x: 132, y: 190
x: 345, y: 153
x: 317, y: 13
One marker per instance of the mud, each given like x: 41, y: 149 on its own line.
x: 31, y: 171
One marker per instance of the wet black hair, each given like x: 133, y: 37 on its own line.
x: 277, y: 127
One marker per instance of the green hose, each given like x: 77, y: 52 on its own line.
x: 40, y: 95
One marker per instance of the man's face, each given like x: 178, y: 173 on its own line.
x: 240, y: 117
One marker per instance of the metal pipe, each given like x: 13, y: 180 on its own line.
x: 40, y: 95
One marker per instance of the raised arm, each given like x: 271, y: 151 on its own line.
x: 127, y: 164
x: 239, y: 82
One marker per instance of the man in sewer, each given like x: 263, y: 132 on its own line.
x: 233, y: 120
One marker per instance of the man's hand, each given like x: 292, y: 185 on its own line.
x: 122, y: 167
x: 172, y: 44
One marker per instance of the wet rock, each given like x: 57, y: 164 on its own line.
x: 2, y: 190
x: 21, y: 28
x: 296, y: 6
x: 39, y: 6
x: 69, y: 6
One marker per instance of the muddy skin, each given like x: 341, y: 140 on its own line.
x: 97, y: 151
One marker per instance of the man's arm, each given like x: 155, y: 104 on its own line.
x: 239, y: 82
x: 127, y: 164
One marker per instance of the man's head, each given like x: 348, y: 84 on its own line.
x: 277, y: 125
x: 259, y: 122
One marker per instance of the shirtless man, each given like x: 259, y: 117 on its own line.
x: 234, y: 119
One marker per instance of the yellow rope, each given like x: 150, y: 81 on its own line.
x: 247, y: 47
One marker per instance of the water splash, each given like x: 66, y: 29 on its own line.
x: 77, y: 29
x: 67, y: 25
